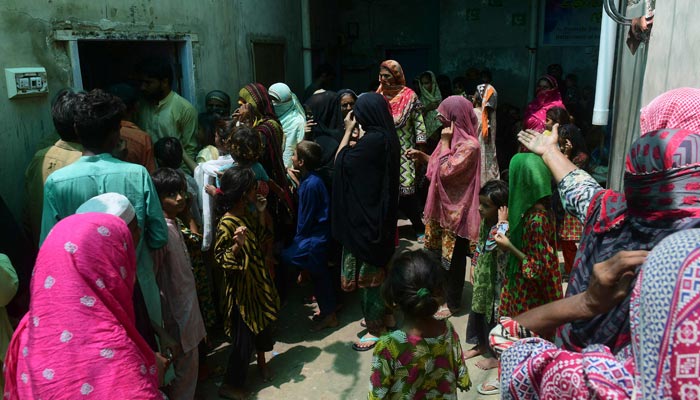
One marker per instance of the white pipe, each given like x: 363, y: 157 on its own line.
x: 532, y: 47
x: 606, y: 62
x: 306, y: 41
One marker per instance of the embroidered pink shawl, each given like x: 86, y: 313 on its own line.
x: 79, y: 337
x: 536, y: 112
x: 454, y: 173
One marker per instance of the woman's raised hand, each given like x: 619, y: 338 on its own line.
x: 540, y: 143
x: 447, y: 132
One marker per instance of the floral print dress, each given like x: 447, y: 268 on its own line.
x: 538, y: 281
x: 413, y: 367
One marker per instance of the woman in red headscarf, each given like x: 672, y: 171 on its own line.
x: 406, y: 110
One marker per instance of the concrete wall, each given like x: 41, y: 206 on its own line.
x: 674, y: 48
x: 222, y: 55
x: 496, y: 35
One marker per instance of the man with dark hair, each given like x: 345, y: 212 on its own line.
x: 47, y: 160
x: 163, y: 112
x: 97, y: 121
x: 324, y: 75
x: 136, y: 145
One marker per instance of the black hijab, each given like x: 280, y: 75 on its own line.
x: 366, y: 185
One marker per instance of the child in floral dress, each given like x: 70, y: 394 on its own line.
x: 424, y: 359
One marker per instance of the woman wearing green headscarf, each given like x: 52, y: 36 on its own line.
x: 431, y: 98
x: 532, y: 276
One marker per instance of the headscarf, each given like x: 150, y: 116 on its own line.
x: 366, y: 185
x: 529, y: 181
x: 79, y: 336
x: 109, y: 203
x: 432, y: 123
x: 454, y: 173
x: 272, y: 135
x: 536, y: 112
x: 292, y: 117
x: 677, y: 108
x: 220, y: 96
x: 338, y: 121
x: 661, y: 184
x: 325, y: 132
x: 486, y: 95
x: 664, y: 317
x: 402, y: 99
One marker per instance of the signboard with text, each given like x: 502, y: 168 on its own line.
x: 571, y: 22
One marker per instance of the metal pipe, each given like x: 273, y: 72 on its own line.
x: 306, y: 41
x: 606, y: 62
x: 532, y: 47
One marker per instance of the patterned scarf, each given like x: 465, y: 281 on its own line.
x: 677, y: 108
x: 662, y: 179
x: 661, y: 362
x: 402, y: 99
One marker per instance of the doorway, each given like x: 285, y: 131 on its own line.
x: 103, y: 61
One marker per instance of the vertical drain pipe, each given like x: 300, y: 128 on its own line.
x: 606, y: 63
x: 532, y: 47
x: 306, y: 41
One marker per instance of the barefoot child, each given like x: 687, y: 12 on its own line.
x: 309, y: 249
x: 250, y: 299
x: 489, y: 263
x: 181, y: 314
x: 424, y: 359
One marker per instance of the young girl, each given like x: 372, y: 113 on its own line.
x: 424, y: 359
x: 532, y: 277
x: 569, y: 229
x: 556, y: 115
x: 489, y: 264
x: 250, y: 299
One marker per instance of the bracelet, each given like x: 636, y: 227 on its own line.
x: 169, y: 355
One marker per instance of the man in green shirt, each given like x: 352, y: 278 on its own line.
x: 97, y: 122
x: 164, y: 113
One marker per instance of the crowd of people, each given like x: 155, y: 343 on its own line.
x: 154, y: 225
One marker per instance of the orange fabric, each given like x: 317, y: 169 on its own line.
x: 485, y: 114
x: 139, y: 146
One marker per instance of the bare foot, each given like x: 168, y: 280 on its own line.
x: 473, y: 352
x: 487, y: 363
x: 330, y: 321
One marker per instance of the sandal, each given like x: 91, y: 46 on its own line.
x: 420, y: 238
x: 364, y: 339
x: 496, y: 385
x: 443, y: 313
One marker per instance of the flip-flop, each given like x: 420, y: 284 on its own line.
x: 420, y: 238
x: 442, y: 313
x: 374, y: 341
x: 495, y: 384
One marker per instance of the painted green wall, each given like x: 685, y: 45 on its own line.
x: 222, y: 55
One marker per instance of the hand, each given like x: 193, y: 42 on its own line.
x: 349, y: 122
x: 239, y: 236
x: 502, y: 241
x: 260, y: 203
x: 162, y: 365
x: 611, y: 279
x: 503, y: 214
x: 210, y: 189
x: 447, y: 132
x: 309, y: 125
x: 416, y: 155
x: 539, y: 143
x: 293, y: 175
